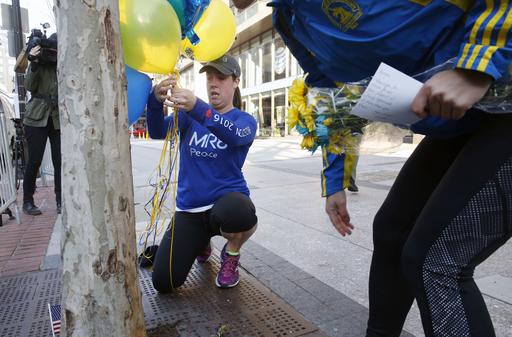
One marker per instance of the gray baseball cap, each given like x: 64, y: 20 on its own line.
x: 226, y: 64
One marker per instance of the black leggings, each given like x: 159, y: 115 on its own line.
x: 449, y: 209
x: 191, y: 233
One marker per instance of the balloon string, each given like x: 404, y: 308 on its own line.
x: 164, y: 180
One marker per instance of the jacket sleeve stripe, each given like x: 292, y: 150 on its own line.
x: 480, y: 20
x: 502, y: 34
x: 474, y: 54
x: 505, y: 29
x: 465, y: 52
x: 484, y: 61
x: 491, y: 25
x: 463, y: 61
x: 488, y: 34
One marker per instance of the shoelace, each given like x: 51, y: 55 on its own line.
x: 230, y: 263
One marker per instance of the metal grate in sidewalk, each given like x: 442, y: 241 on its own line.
x: 24, y: 303
x: 198, y: 308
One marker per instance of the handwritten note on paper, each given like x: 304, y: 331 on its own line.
x: 388, y: 97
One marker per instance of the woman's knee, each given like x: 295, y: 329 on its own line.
x: 234, y: 213
x: 239, y: 235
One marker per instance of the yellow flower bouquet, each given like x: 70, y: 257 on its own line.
x: 322, y: 116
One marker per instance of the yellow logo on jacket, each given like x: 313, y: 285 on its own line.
x: 342, y: 13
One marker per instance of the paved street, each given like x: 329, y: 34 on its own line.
x: 285, y: 188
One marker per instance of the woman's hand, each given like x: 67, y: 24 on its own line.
x: 336, y: 208
x: 161, y: 89
x: 183, y: 99
x: 449, y: 94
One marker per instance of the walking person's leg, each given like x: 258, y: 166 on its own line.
x: 389, y: 293
x: 54, y: 136
x: 181, y: 243
x: 467, y: 218
x: 36, y: 139
x: 233, y: 216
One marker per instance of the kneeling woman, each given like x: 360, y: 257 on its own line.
x: 212, y: 197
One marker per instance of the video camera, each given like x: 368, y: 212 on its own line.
x: 48, y: 53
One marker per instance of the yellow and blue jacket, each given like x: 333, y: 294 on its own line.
x: 345, y: 41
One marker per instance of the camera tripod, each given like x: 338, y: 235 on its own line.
x: 19, y: 151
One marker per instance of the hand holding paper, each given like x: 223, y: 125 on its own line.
x: 394, y: 97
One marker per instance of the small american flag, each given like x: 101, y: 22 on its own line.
x: 55, y: 319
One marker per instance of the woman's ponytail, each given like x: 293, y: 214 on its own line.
x: 237, y: 99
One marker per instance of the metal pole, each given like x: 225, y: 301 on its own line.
x: 18, y: 47
x: 16, y: 20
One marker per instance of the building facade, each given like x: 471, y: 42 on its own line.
x: 268, y: 69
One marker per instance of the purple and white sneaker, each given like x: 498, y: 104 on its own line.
x: 228, y: 275
x: 205, y: 254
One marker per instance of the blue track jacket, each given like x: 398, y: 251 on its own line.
x: 213, y: 148
x: 345, y: 41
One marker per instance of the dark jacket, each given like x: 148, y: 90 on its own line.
x: 41, y: 81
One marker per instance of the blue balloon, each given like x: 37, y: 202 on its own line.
x: 139, y: 88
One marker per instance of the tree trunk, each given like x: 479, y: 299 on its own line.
x: 101, y: 295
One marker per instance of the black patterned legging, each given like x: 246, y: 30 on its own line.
x: 449, y: 209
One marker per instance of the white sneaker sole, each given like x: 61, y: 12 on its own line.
x: 226, y: 286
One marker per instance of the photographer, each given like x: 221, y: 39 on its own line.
x: 42, y: 116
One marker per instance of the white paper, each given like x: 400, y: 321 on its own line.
x: 388, y: 97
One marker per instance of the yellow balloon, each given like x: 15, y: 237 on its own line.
x: 217, y: 29
x: 151, y: 35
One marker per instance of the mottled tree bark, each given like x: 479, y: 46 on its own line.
x: 101, y: 294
